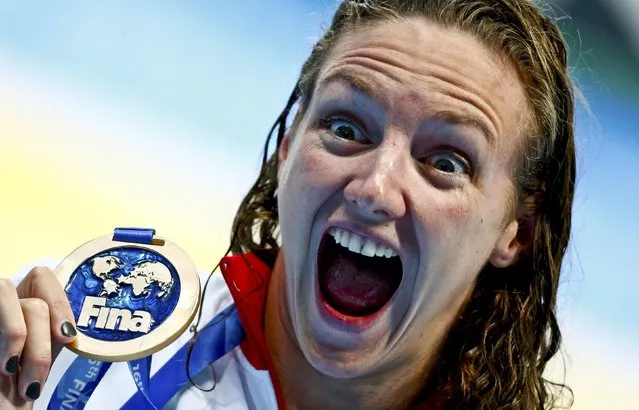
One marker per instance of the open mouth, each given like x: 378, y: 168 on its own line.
x: 357, y: 275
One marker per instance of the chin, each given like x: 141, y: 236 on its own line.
x: 340, y: 357
x: 345, y: 368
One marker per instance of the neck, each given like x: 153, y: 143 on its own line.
x: 306, y: 388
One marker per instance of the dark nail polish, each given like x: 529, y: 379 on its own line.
x: 33, y: 391
x: 12, y: 364
x: 68, y: 330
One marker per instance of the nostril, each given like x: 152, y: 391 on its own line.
x: 381, y: 212
x: 365, y: 201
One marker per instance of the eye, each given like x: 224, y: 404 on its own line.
x: 344, y: 129
x: 449, y: 163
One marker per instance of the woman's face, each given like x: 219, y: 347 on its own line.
x: 395, y: 189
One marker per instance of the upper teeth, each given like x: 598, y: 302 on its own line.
x: 359, y: 244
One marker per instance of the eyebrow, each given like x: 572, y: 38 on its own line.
x: 353, y: 80
x: 368, y: 88
x: 463, y: 119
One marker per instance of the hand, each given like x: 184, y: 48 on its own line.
x: 35, y: 322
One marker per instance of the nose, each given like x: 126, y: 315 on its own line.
x: 377, y: 192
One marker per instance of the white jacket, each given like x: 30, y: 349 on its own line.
x: 239, y: 385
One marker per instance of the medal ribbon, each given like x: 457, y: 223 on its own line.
x: 221, y: 335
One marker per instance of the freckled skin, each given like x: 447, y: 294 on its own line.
x: 446, y: 225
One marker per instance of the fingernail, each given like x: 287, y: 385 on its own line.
x: 68, y: 330
x: 12, y: 364
x: 33, y: 391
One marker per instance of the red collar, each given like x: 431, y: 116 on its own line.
x: 247, y: 278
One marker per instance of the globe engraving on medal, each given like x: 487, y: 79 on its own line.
x: 123, y: 293
x: 129, y: 299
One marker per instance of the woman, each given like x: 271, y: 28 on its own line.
x: 423, y: 197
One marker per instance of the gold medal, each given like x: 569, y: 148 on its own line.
x: 132, y: 293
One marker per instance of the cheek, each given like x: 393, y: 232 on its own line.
x: 471, y: 213
x: 458, y: 233
x: 458, y: 212
x: 308, y: 179
x: 444, y: 213
x: 310, y: 170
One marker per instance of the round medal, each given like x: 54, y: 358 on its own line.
x: 132, y: 294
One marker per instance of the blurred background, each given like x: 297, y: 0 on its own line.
x: 153, y: 113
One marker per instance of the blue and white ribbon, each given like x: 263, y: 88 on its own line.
x: 218, y: 337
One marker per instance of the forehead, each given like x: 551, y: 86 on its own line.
x: 418, y: 63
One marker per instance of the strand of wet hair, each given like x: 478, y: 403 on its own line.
x: 280, y: 124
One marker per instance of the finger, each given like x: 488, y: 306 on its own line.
x: 41, y: 283
x: 13, y: 331
x: 36, y: 355
x: 9, y: 396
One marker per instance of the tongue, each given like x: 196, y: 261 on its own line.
x: 356, y: 285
